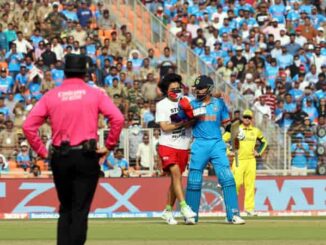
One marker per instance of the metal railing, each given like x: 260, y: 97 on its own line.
x: 150, y: 32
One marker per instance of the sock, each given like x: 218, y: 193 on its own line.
x: 193, y: 199
x: 231, y: 201
x: 183, y: 204
x: 168, y: 208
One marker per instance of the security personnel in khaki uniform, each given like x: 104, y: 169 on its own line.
x: 245, y: 172
x: 8, y: 140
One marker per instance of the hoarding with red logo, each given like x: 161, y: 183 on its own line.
x: 146, y: 197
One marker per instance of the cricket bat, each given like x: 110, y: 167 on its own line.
x: 234, y: 140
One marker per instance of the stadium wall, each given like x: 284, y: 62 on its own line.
x: 145, y: 197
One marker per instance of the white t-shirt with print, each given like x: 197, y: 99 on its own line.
x: 179, y: 138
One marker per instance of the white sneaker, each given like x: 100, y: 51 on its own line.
x: 187, y: 212
x: 236, y: 220
x: 190, y: 221
x: 168, y: 217
x: 251, y: 213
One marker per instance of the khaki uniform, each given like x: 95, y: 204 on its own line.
x: 115, y: 90
x: 8, y: 142
x: 114, y: 47
x: 149, y: 91
x: 47, y: 85
x: 145, y: 71
x: 133, y: 96
x: 43, y: 12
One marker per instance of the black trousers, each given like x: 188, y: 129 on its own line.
x: 75, y: 178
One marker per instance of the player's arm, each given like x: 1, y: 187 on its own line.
x: 263, y: 142
x: 169, y: 127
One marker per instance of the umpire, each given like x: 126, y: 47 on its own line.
x: 73, y: 109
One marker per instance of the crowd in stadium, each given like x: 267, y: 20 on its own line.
x: 274, y: 53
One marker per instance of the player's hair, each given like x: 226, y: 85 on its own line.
x: 167, y: 80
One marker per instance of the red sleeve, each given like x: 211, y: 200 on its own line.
x: 34, y: 120
x: 116, y: 119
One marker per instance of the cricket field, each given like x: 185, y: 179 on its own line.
x: 257, y: 230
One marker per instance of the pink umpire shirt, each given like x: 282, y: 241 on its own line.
x: 73, y: 110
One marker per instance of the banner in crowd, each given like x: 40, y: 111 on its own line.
x: 146, y: 197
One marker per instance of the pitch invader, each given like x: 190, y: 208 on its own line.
x: 208, y: 146
x: 173, y: 144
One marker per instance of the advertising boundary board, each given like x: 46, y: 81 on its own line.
x: 146, y: 198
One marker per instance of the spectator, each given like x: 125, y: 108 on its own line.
x: 79, y: 34
x: 14, y: 59
x: 121, y: 162
x: 248, y: 88
x: 48, y: 56
x: 167, y: 61
x: 300, y: 152
x: 56, y: 47
x: 8, y: 140
x: 10, y: 103
x: 57, y: 73
x: 104, y: 21
x: 145, y: 154
x: 24, y: 160
x: 149, y: 116
x: 47, y: 82
x: 311, y: 110
x: 263, y: 109
x: 6, y: 82
x: 55, y: 19
x: 84, y: 14
x: 149, y: 88
x: 3, y: 163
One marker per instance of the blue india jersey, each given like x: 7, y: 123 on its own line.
x: 208, y: 126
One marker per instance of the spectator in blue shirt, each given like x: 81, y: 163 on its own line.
x: 23, y: 158
x: 3, y: 108
x: 289, y: 106
x: 84, y: 14
x: 285, y: 59
x: 300, y: 152
x: 292, y: 47
x: 57, y: 73
x: 296, y: 92
x: 36, y: 38
x: 108, y: 81
x: 21, y: 78
x: 14, y: 59
x: 149, y: 115
x: 311, y: 110
x: 6, y: 82
x: 69, y: 12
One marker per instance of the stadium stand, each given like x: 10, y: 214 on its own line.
x: 269, y: 57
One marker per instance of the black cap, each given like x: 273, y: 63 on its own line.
x: 203, y: 81
x: 75, y: 63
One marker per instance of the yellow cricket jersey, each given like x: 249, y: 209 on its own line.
x: 247, y: 146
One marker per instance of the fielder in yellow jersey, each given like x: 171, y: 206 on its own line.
x: 245, y: 173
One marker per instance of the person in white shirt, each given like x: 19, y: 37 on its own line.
x: 284, y: 39
x: 263, y: 109
x: 23, y: 46
x: 192, y: 27
x: 174, y: 144
x: 57, y: 49
x: 248, y: 88
x: 145, y: 156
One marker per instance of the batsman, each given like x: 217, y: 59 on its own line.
x: 208, y: 146
x: 245, y: 171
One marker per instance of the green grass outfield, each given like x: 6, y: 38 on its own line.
x: 260, y: 230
